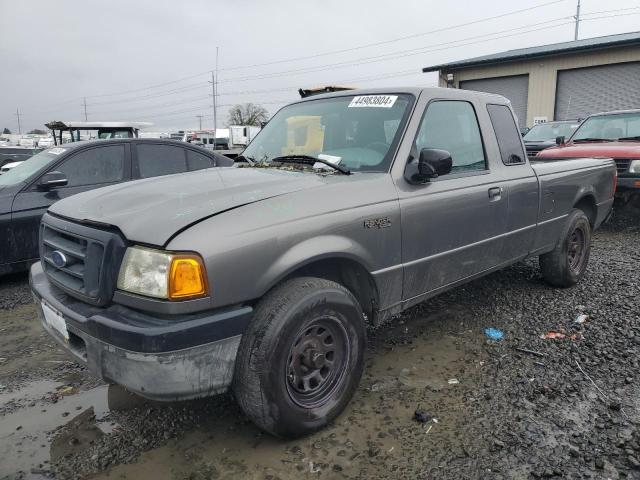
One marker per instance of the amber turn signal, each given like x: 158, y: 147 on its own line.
x: 187, y: 278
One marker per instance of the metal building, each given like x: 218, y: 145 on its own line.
x: 556, y: 82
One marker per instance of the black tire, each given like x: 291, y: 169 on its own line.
x: 565, y: 265
x: 301, y: 359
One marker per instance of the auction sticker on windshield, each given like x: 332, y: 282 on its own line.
x: 56, y: 151
x: 379, y: 101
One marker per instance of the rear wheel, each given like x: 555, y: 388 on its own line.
x: 302, y: 357
x: 565, y: 265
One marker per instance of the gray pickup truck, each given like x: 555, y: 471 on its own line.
x: 345, y: 210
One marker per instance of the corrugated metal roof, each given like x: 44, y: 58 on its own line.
x: 596, y: 43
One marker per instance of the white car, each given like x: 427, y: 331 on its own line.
x: 45, y: 142
x: 8, y: 166
x: 28, y: 141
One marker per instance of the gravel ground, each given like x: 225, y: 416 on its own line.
x: 14, y: 291
x: 438, y: 400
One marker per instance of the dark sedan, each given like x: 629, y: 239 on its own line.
x: 30, y: 188
x: 544, y: 135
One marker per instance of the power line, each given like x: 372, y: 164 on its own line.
x: 390, y: 56
x: 154, y: 95
x: 425, y: 49
x: 333, y: 52
x: 151, y: 107
x: 398, y: 39
x: 445, y: 46
x: 400, y: 53
x: 149, y: 87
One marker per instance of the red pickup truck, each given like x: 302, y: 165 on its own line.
x: 607, y: 135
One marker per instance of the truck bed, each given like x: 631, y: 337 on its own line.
x: 561, y: 184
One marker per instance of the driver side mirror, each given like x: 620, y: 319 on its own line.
x: 431, y: 164
x: 51, y: 180
x: 560, y: 140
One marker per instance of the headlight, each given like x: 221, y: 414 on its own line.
x: 154, y: 273
x: 634, y: 167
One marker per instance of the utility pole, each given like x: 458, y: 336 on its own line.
x: 199, y: 117
x: 19, y: 126
x: 215, y: 101
x: 577, y: 17
x: 214, y: 92
x: 84, y: 103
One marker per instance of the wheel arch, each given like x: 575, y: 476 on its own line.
x: 340, y: 267
x: 587, y: 203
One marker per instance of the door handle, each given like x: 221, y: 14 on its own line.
x: 495, y: 193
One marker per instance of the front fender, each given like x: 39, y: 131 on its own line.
x: 312, y: 250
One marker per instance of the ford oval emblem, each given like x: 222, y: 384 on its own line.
x: 59, y: 259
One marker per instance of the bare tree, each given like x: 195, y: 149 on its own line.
x: 247, y: 114
x: 6, y: 131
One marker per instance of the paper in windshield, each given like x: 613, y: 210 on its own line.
x: 377, y: 101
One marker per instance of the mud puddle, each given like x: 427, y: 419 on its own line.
x: 49, y: 420
x: 414, y: 365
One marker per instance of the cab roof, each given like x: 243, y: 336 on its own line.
x: 415, y: 91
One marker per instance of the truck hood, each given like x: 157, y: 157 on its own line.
x: 593, y: 149
x: 540, y: 142
x: 153, y: 210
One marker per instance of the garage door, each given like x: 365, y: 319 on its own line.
x: 584, y: 91
x: 516, y: 89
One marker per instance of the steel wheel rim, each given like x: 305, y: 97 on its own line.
x: 576, y: 249
x: 317, y: 362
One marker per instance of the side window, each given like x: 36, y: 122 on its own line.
x: 198, y: 161
x: 452, y: 125
x: 155, y: 160
x: 507, y: 134
x: 94, y: 166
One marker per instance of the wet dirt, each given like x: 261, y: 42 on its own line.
x: 521, y: 408
x: 370, y: 429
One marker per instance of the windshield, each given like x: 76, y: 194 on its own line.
x: 549, y: 131
x: 22, y: 172
x: 358, y: 132
x: 609, y: 127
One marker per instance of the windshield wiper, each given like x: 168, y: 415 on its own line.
x: 242, y: 158
x: 637, y: 138
x: 309, y: 160
x: 590, y: 139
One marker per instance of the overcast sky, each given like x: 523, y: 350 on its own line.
x: 121, y: 55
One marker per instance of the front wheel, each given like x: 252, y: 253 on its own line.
x: 565, y: 265
x: 301, y: 358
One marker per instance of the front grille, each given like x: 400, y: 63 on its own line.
x: 81, y: 271
x: 622, y: 164
x: 533, y: 150
x: 81, y: 260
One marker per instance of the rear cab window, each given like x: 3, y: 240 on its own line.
x: 507, y: 135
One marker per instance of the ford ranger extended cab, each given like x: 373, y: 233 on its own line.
x: 607, y: 135
x: 347, y: 209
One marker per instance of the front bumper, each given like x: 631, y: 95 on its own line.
x: 629, y: 183
x: 177, y: 358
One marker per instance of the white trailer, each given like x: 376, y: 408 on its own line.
x: 241, y: 135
